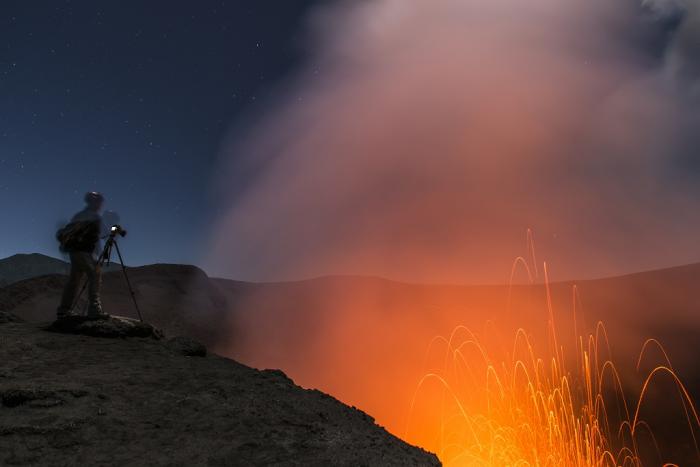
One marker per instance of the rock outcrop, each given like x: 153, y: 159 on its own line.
x: 187, y: 347
x: 6, y: 317
x: 114, y: 326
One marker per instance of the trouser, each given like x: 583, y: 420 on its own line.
x: 82, y: 265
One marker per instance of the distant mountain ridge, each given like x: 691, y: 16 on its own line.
x: 329, y: 331
x: 26, y: 266
x: 19, y: 267
x: 178, y: 299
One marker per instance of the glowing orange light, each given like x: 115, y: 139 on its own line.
x: 483, y: 403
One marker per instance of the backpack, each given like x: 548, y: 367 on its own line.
x: 78, y: 236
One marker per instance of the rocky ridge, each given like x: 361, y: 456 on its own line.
x: 70, y: 398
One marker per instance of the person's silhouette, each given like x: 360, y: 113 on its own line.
x: 80, y: 239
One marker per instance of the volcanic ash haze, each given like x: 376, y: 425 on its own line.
x: 423, y: 138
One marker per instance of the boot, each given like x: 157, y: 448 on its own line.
x: 95, y: 311
x: 65, y: 314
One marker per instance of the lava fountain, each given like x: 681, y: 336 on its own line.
x: 416, y: 143
x: 542, y: 382
x: 531, y: 403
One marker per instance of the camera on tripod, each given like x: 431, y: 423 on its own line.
x: 110, y: 244
x: 117, y: 230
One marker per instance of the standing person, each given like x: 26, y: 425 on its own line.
x: 80, y: 239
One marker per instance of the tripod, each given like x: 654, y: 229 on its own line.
x: 111, y: 244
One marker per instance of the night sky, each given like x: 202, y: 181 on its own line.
x: 132, y: 99
x: 270, y: 140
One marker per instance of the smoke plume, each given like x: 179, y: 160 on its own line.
x: 423, y: 138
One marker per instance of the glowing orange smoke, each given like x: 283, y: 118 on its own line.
x: 363, y: 340
x: 486, y: 404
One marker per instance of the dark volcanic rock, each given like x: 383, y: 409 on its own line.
x: 186, y: 346
x: 113, y: 327
x: 68, y: 399
x: 36, y: 397
x: 6, y: 317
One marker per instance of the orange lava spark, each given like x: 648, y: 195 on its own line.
x: 486, y: 404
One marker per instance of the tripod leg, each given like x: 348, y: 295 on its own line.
x: 80, y: 294
x: 128, y: 283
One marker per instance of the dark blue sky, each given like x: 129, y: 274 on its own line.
x: 133, y: 99
x: 138, y: 100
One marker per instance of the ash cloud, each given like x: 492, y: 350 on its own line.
x: 424, y: 138
x: 684, y: 52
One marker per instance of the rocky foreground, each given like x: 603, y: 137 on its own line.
x: 70, y: 399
